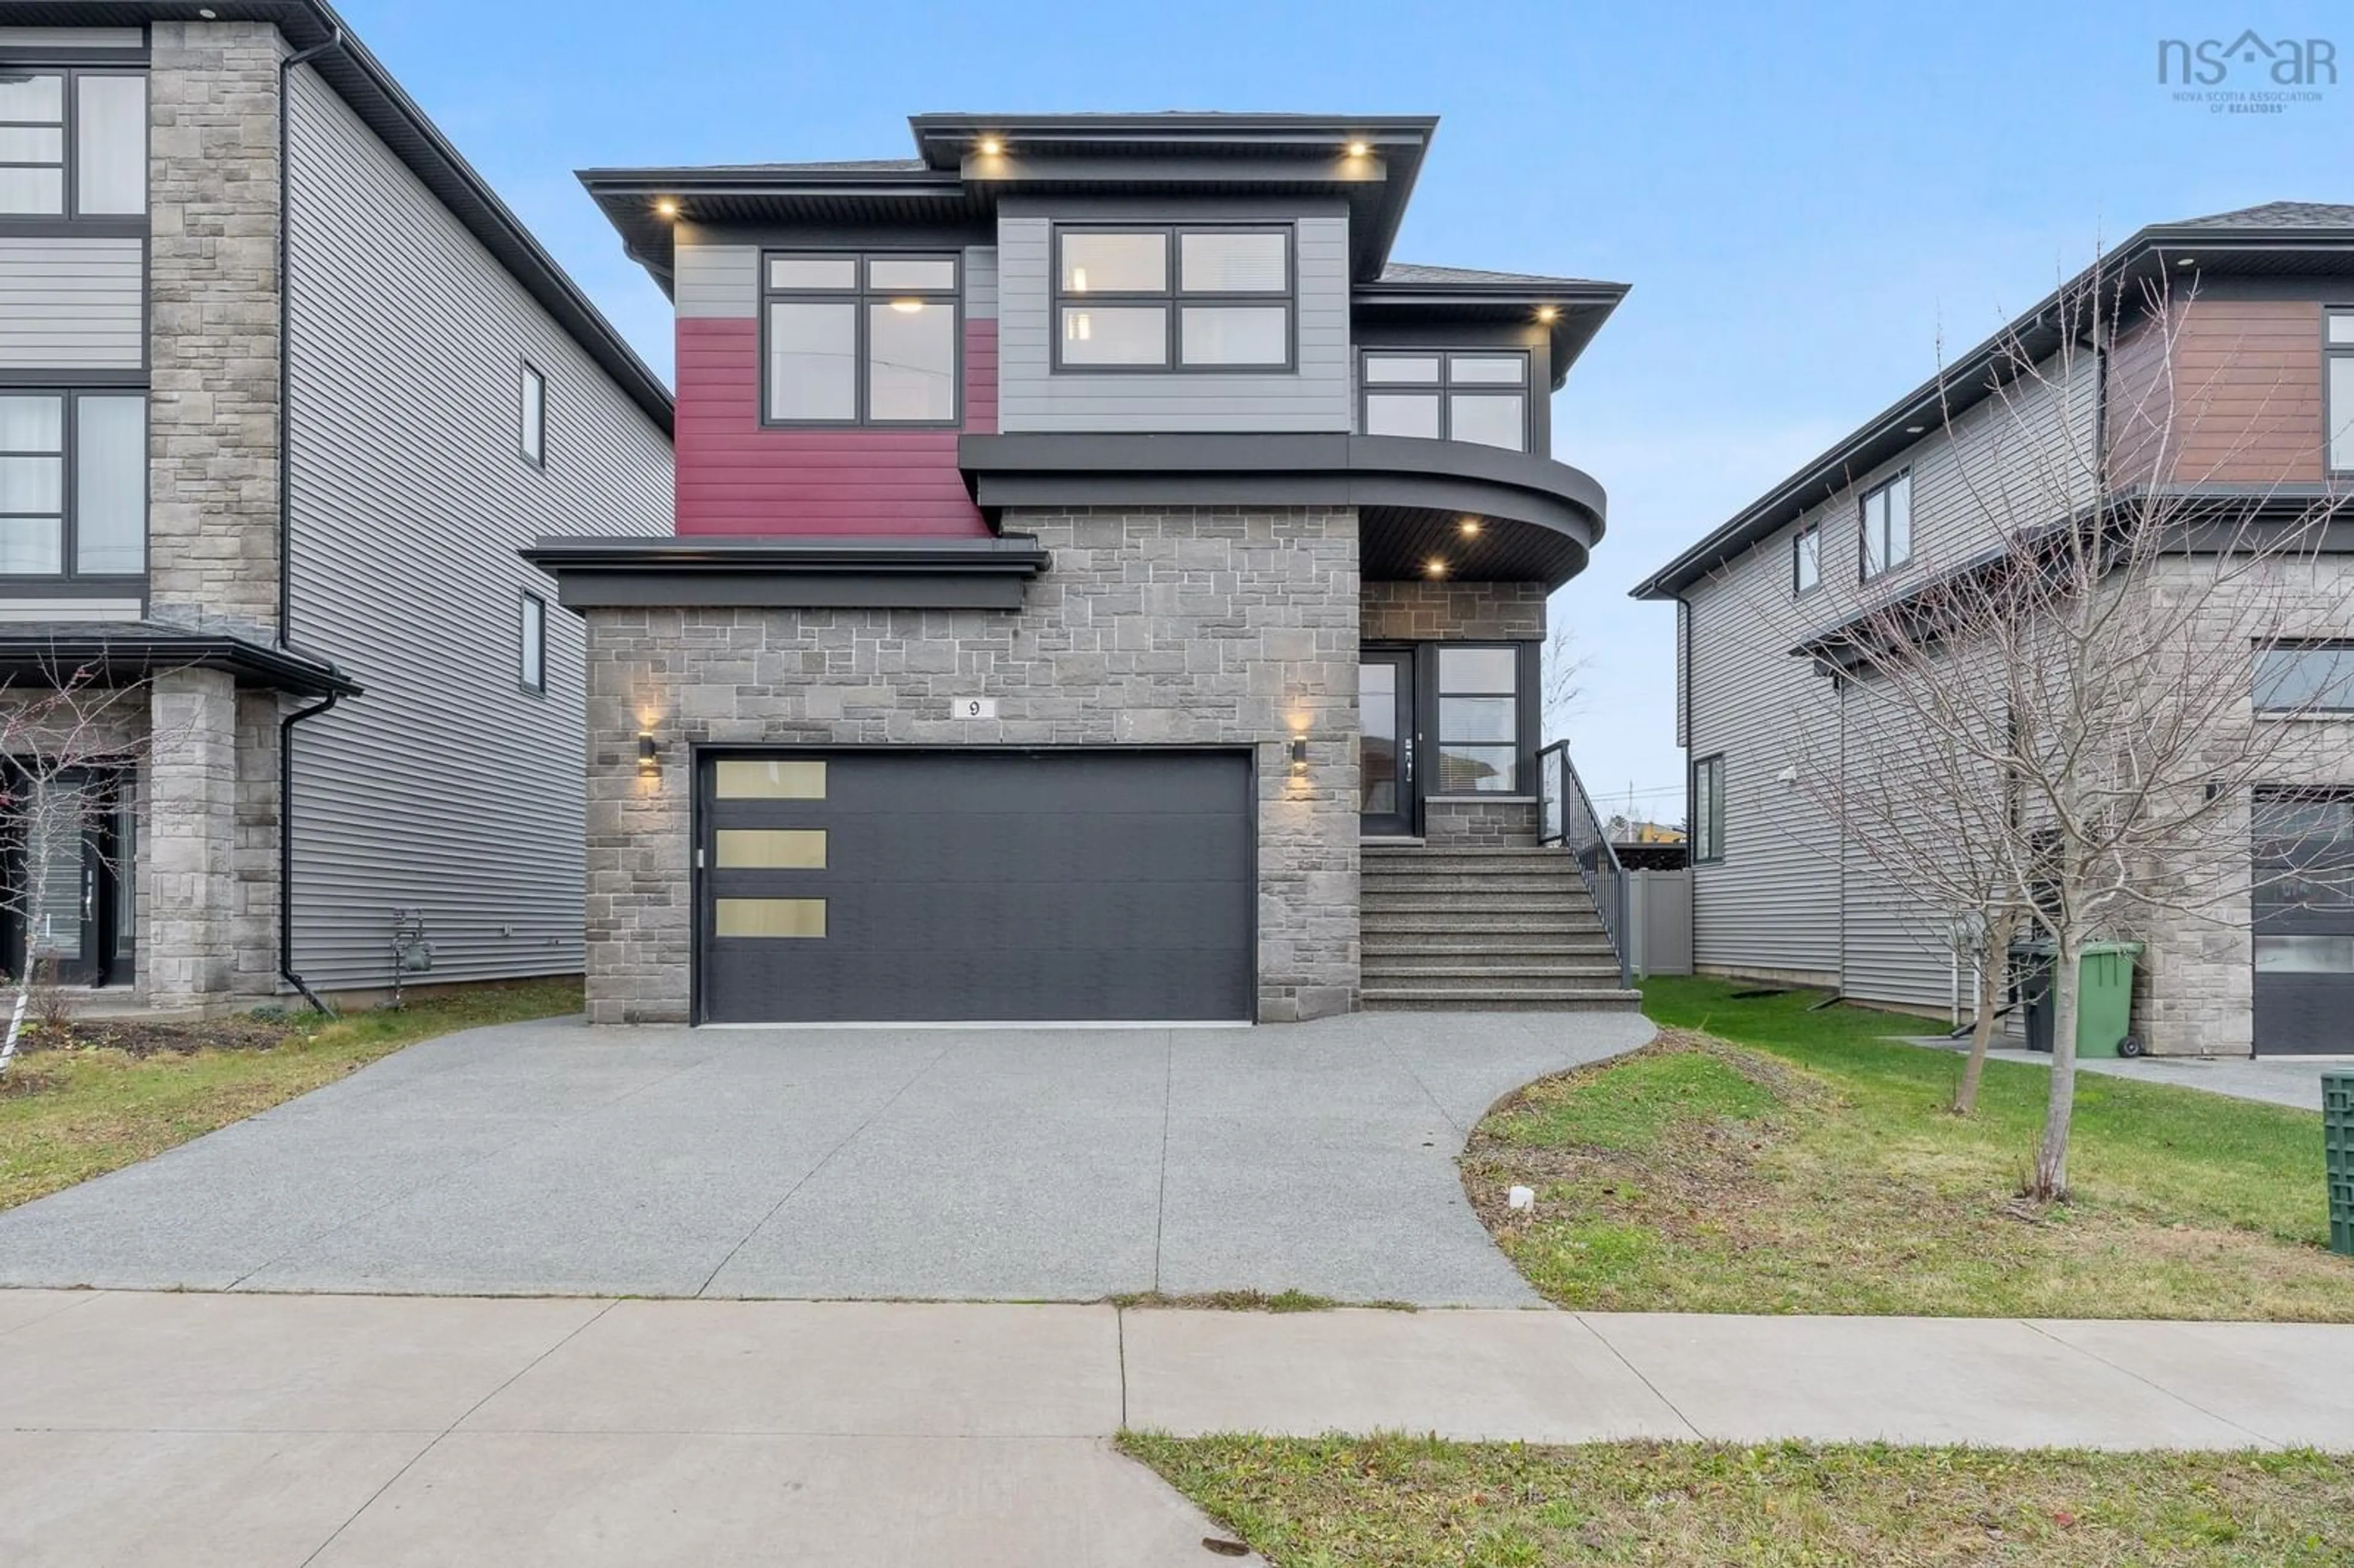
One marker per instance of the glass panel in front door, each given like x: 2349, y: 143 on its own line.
x: 1377, y: 739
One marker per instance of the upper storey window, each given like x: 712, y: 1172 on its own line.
x: 1181, y: 298
x: 73, y: 144
x: 1887, y: 519
x: 1445, y: 396
x: 73, y: 483
x: 2337, y: 345
x: 859, y: 339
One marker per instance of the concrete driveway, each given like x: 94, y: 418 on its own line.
x: 1009, y: 1165
x: 2269, y: 1080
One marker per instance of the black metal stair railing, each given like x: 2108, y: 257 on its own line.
x: 1568, y: 820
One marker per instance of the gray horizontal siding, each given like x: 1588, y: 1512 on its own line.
x: 73, y: 37
x: 34, y: 608
x: 1792, y: 891
x: 446, y: 786
x: 1031, y: 396
x: 72, y: 303
x: 717, y: 281
x: 980, y: 283
x: 1773, y: 901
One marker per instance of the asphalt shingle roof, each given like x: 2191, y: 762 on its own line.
x: 2277, y: 214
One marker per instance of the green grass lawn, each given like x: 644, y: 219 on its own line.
x: 1398, y: 1502
x: 69, y: 1115
x: 1762, y: 1157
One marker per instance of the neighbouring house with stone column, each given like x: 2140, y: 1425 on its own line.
x: 1105, y: 585
x: 283, y: 388
x: 2221, y: 377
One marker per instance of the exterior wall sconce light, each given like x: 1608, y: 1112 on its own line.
x: 649, y: 758
x: 1298, y: 754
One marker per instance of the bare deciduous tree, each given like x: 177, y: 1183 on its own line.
x: 65, y: 745
x: 1564, y: 675
x: 2050, y: 728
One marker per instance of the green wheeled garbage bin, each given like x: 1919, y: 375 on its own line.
x: 2337, y: 1157
x: 2105, y: 1000
x: 2104, y: 997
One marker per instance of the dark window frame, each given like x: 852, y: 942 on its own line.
x: 70, y: 218
x: 69, y: 581
x: 2332, y: 352
x: 1525, y: 659
x: 526, y: 437
x: 531, y: 612
x: 1811, y: 533
x: 1173, y: 298
x: 1865, y: 571
x: 1707, y: 827
x: 1446, y: 389
x: 860, y: 297
x: 2334, y: 710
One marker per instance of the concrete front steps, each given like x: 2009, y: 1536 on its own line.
x: 1483, y: 930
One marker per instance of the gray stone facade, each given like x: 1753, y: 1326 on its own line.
x: 213, y: 343
x: 1481, y: 824
x: 1441, y: 611
x: 1208, y: 627
x: 1427, y: 611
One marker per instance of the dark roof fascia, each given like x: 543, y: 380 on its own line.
x: 140, y: 651
x: 364, y: 83
x: 1243, y: 470
x: 1398, y: 141
x: 941, y: 138
x: 786, y: 573
x: 1585, y: 305
x: 2146, y: 256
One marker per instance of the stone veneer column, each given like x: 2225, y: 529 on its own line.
x: 255, y: 863
x: 187, y: 950
x: 213, y: 343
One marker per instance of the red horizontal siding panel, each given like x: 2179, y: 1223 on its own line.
x: 736, y: 478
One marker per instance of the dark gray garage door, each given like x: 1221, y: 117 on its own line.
x: 948, y: 886
x: 2305, y: 926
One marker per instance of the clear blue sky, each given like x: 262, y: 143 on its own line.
x: 1804, y: 197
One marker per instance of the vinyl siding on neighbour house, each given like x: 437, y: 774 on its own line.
x: 1034, y: 396
x: 447, y: 787
x: 1793, y: 893
x: 72, y: 303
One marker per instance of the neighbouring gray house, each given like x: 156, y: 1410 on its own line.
x: 1106, y: 585
x: 283, y: 388
x: 2255, y: 340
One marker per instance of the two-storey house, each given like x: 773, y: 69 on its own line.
x: 282, y: 386
x: 1087, y: 542
x: 2230, y: 359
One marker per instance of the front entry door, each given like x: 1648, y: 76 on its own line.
x: 75, y: 912
x: 1385, y: 744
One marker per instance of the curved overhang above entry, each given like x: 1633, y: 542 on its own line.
x: 1425, y: 508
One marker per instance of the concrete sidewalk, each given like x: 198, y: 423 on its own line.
x: 356, y: 1431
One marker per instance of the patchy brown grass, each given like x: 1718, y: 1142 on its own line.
x: 111, y: 1094
x: 1400, y: 1502
x: 1698, y: 1175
